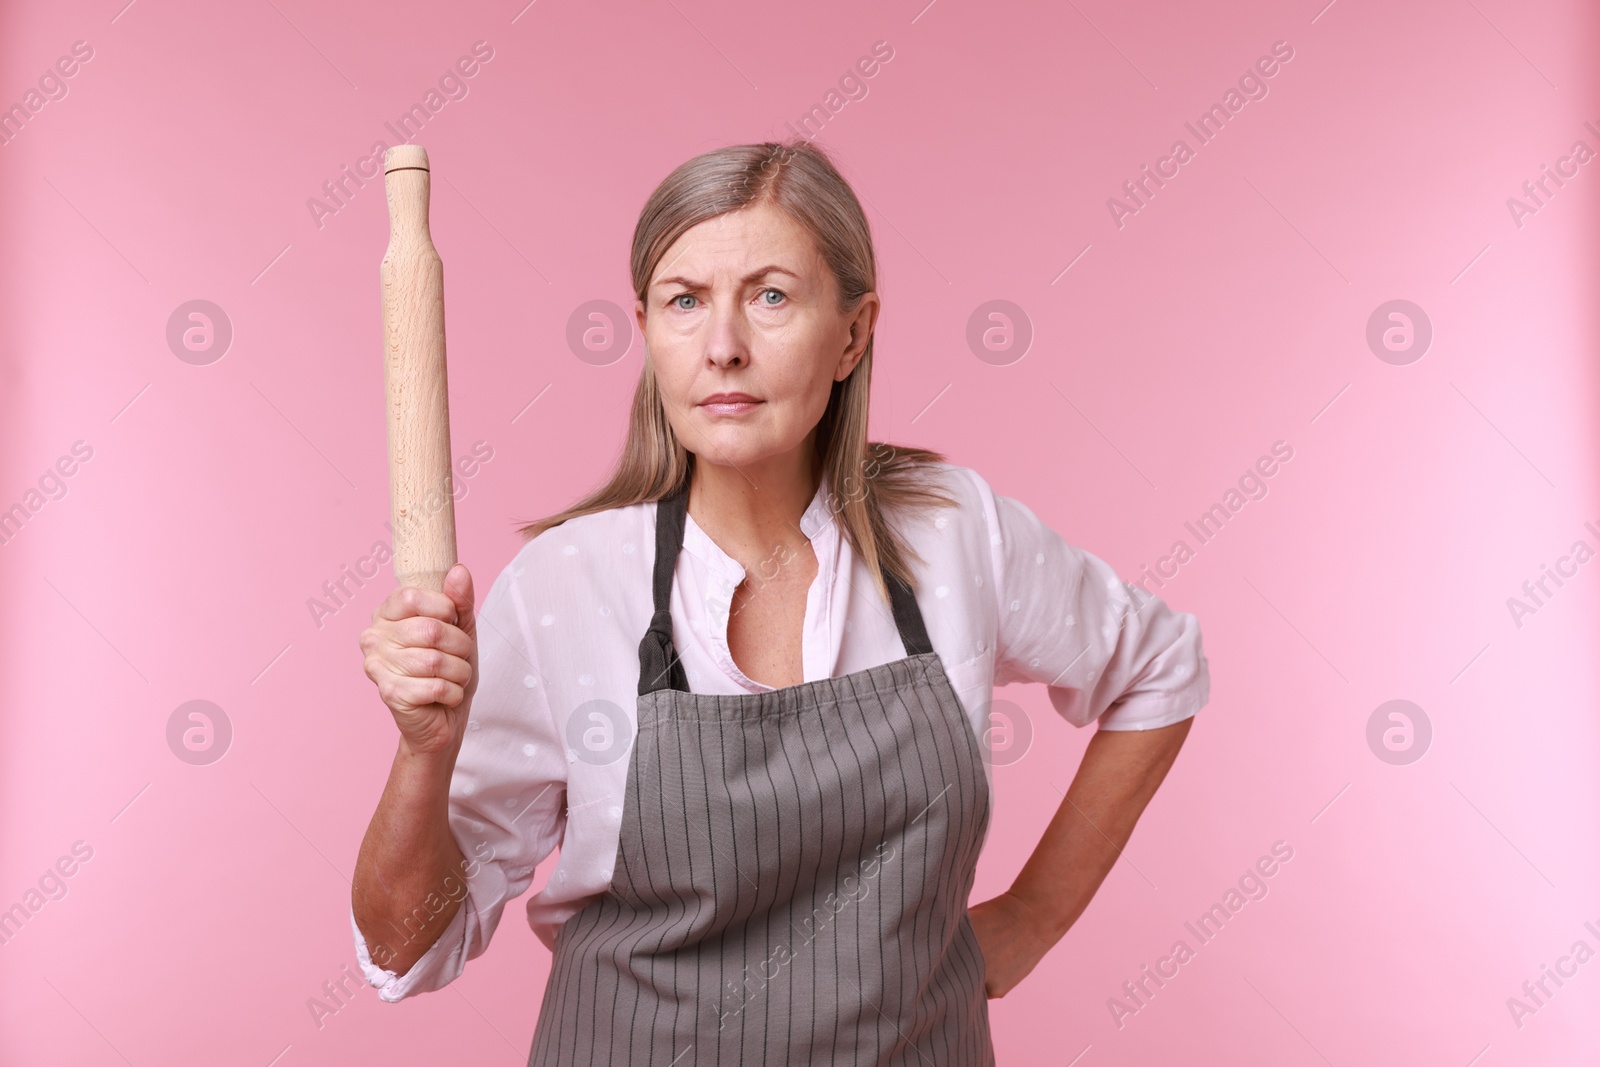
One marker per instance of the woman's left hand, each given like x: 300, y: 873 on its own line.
x: 1011, y: 939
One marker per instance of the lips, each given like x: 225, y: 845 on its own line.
x: 729, y: 405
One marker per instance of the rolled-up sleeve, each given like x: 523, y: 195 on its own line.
x: 1105, y: 649
x: 507, y: 798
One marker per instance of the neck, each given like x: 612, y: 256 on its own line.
x: 751, y: 509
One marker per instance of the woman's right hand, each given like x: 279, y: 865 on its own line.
x: 422, y: 653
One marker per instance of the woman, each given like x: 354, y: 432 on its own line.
x: 743, y: 688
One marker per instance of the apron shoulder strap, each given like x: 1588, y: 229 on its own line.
x: 907, y: 616
x: 659, y: 665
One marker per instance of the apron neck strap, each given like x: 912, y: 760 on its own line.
x: 659, y: 665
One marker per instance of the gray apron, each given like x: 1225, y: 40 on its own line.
x: 792, y: 872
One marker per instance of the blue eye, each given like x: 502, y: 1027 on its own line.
x: 778, y: 291
x: 682, y: 296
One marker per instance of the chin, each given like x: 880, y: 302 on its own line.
x: 735, y: 446
x: 731, y: 450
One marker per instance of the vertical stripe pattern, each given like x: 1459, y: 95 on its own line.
x: 791, y: 880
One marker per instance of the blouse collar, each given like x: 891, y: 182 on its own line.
x: 817, y: 518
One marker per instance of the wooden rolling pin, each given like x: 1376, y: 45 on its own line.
x: 421, y: 497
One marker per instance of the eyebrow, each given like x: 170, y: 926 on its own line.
x: 747, y: 279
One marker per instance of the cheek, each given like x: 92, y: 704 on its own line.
x: 818, y: 390
x: 674, y: 375
x: 805, y: 387
x: 797, y: 373
x: 816, y: 402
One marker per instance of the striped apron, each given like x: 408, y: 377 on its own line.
x: 792, y: 872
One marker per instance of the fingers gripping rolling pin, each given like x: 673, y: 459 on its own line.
x: 421, y: 496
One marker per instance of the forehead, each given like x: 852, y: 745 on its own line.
x: 738, y: 241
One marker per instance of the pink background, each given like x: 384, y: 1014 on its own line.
x: 1228, y: 314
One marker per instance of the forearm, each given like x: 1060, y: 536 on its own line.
x: 1120, y: 772
x: 408, y: 856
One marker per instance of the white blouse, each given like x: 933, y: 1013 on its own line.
x: 545, y: 757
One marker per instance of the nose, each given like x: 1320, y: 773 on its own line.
x: 726, y: 339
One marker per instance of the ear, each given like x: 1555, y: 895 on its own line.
x: 861, y: 324
x: 639, y: 318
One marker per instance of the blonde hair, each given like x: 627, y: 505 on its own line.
x: 865, y: 478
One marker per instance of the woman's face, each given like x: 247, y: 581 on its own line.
x: 743, y: 303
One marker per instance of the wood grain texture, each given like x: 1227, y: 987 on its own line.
x: 421, y: 488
